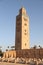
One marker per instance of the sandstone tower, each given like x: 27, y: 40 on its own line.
x: 22, y: 40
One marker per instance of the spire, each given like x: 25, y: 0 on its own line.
x: 22, y: 10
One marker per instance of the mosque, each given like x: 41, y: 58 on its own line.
x: 22, y: 30
x: 22, y: 39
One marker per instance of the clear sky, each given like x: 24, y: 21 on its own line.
x: 8, y: 11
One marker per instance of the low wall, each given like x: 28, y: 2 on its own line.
x: 11, y: 53
x: 28, y: 53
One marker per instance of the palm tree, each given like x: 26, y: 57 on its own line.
x: 8, y: 47
x: 0, y: 47
x: 13, y: 47
x: 40, y: 47
x: 34, y: 47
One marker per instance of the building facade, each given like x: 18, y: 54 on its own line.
x: 22, y: 44
x: 22, y: 40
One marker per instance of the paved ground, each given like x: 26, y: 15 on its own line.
x: 4, y: 63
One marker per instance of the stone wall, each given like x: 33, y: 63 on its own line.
x: 29, y: 53
x: 10, y: 53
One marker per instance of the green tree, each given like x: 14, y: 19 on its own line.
x: 1, y: 53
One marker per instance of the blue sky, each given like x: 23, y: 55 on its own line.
x: 8, y: 11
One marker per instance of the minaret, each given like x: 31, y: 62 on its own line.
x: 22, y: 30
